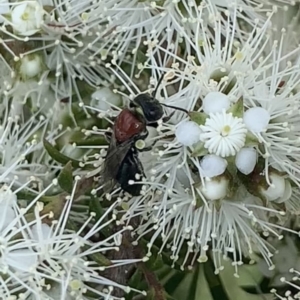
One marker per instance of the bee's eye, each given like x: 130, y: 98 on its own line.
x: 152, y: 112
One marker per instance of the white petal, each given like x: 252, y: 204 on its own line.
x: 22, y: 259
x: 152, y: 133
x: 246, y: 160
x: 256, y: 119
x: 287, y: 193
x: 213, y: 165
x: 188, y: 133
x: 7, y: 215
x: 215, y: 102
x: 104, y: 97
x: 40, y: 232
x: 4, y: 7
x: 182, y: 177
x: 277, y: 189
x: 223, y: 3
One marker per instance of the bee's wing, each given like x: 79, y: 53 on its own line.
x: 115, y: 156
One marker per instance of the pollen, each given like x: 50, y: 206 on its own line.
x: 239, y: 56
x: 25, y: 16
x: 226, y: 130
x: 75, y: 284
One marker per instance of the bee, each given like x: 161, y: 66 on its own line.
x: 122, y: 164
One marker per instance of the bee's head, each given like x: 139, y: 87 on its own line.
x: 148, y: 107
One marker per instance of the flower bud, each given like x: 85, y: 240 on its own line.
x: 215, y: 102
x: 215, y: 188
x: 31, y: 65
x: 213, y: 165
x: 245, y: 160
x: 188, y: 133
x: 256, y: 119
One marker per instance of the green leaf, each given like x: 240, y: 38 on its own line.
x: 250, y: 276
x: 154, y: 295
x: 202, y: 287
x: 59, y: 157
x: 96, y: 207
x: 26, y: 195
x: 199, y: 202
x: 232, y: 288
x: 193, y: 286
x: 237, y: 109
x: 182, y: 291
x: 29, y: 196
x: 155, y: 262
x: 198, y: 117
x: 165, y: 274
x: 65, y: 178
x: 199, y: 150
x: 91, y: 141
x: 231, y: 166
x: 251, y: 140
x: 99, y: 258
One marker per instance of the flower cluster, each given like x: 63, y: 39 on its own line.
x: 227, y: 172
x: 42, y: 258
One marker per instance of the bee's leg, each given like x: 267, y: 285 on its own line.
x: 167, y: 118
x: 107, y: 136
x: 138, y: 163
x: 146, y: 149
x: 164, y: 120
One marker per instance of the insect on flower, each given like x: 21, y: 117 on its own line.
x: 122, y: 164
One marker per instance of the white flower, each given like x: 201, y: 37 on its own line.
x: 67, y: 44
x: 17, y: 255
x: 18, y: 140
x: 58, y: 254
x: 285, y: 21
x: 231, y: 226
x: 178, y: 204
x: 223, y: 134
x: 27, y: 17
x: 35, y: 91
x: 15, y: 144
x: 273, y: 93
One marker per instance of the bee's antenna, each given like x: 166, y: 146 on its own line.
x: 175, y: 107
x: 157, y: 85
x: 166, y: 105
